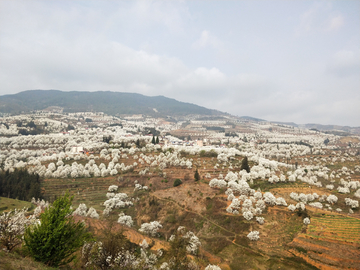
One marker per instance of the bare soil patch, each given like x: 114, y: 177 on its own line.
x: 349, y: 139
x: 133, y: 235
x: 190, y: 195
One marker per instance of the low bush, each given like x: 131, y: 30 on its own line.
x: 177, y: 182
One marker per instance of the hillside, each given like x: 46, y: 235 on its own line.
x: 285, y: 242
x: 102, y: 101
x: 296, y: 208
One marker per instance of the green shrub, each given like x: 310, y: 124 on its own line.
x: 58, y: 236
x: 197, y: 175
x: 177, y: 182
x: 245, y: 165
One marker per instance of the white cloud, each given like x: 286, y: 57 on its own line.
x: 319, y: 18
x: 336, y: 23
x: 307, y: 20
x: 169, y: 14
x: 206, y: 40
x: 108, y: 64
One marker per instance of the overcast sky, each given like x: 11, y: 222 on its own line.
x: 293, y: 61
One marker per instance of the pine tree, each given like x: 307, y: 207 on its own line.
x: 197, y: 175
x: 157, y: 140
x: 245, y: 165
x: 58, y: 236
x: 153, y: 140
x: 177, y: 182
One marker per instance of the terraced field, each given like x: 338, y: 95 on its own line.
x: 330, y: 241
x: 91, y: 191
x: 335, y: 227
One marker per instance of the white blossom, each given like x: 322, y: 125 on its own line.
x: 260, y: 220
x: 144, y: 244
x: 92, y: 213
x: 125, y: 220
x: 81, y: 210
x: 12, y: 227
x: 253, y: 235
x: 212, y: 267
x: 215, y: 183
x: 150, y: 228
x: 352, y: 203
x: 331, y: 199
x: 292, y: 207
x: 306, y: 221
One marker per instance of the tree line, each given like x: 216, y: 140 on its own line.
x: 20, y: 184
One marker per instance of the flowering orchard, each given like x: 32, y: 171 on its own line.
x: 113, y: 169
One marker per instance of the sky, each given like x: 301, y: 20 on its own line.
x: 291, y: 61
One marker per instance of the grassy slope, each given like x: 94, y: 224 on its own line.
x: 14, y: 261
x: 7, y: 204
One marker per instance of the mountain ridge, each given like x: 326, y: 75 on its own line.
x: 122, y: 103
x: 102, y: 101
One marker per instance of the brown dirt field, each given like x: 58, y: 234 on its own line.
x: 133, y: 235
x: 313, y: 262
x: 350, y: 139
x: 329, y: 240
x: 274, y: 234
x: 329, y: 253
x: 188, y: 195
x: 308, y: 245
x: 333, y: 260
x: 212, y: 258
x: 136, y: 238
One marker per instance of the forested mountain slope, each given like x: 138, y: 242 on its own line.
x: 102, y: 101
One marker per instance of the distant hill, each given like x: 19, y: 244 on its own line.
x: 285, y: 123
x: 330, y: 129
x: 111, y: 103
x: 249, y: 118
x: 333, y: 129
